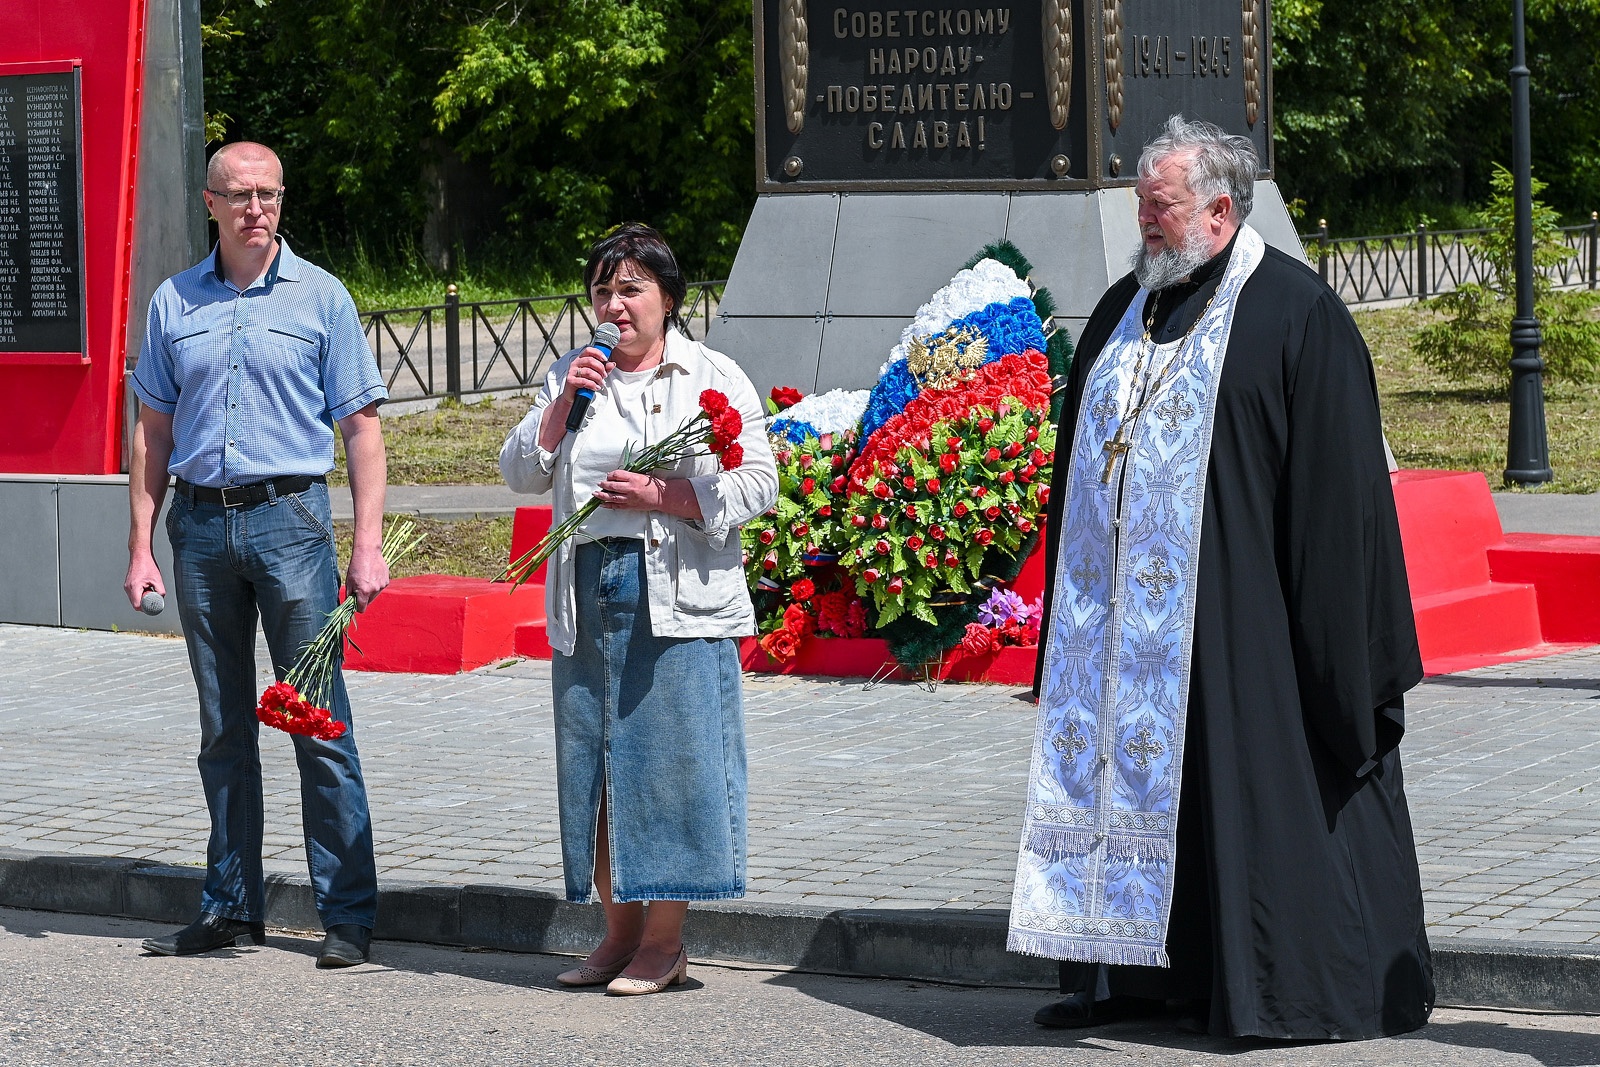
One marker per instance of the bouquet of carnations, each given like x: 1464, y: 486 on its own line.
x: 716, y: 427
x: 821, y: 604
x: 298, y: 704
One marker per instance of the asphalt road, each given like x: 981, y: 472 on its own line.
x: 78, y: 990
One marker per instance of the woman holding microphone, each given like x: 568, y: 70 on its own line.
x: 643, y: 607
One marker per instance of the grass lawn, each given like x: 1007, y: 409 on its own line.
x: 1435, y: 423
x: 1431, y: 423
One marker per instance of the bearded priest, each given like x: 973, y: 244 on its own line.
x: 1215, y: 812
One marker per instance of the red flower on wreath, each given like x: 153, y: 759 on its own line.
x: 803, y: 589
x: 784, y: 396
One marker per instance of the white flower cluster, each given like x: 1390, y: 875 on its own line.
x: 831, y: 412
x: 989, y: 282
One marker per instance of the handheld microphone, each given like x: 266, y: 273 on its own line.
x: 152, y: 602
x: 606, y: 336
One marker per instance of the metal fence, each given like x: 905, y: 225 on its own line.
x: 460, y: 348
x: 1424, y: 262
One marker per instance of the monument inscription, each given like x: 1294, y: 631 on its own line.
x: 41, y: 251
x: 1036, y: 94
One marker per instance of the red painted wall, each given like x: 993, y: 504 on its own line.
x: 63, y: 413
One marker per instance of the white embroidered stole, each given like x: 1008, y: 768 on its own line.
x: 1099, y: 831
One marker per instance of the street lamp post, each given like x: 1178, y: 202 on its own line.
x: 1528, y: 450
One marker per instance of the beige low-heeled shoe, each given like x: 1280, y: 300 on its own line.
x: 623, y: 986
x: 587, y: 975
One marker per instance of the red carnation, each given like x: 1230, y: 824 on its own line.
x: 713, y: 403
x: 732, y: 456
x: 803, y: 589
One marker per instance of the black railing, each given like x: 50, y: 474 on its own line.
x: 1424, y: 262
x: 460, y: 348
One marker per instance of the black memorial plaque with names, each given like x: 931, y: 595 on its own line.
x: 41, y: 248
x: 1038, y: 94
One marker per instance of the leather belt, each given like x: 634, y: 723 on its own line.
x: 237, y: 496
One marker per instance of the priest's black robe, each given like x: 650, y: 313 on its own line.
x: 1297, y: 905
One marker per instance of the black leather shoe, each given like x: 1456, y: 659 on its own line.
x: 206, y: 934
x: 1078, y: 1010
x: 345, y: 945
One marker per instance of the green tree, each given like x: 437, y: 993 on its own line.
x: 567, y: 117
x: 1473, y: 342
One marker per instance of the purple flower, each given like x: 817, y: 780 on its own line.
x: 1002, y: 606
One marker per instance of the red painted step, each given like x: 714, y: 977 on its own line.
x: 441, y: 624
x: 1565, y: 569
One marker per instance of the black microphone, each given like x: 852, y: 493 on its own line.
x: 606, y: 336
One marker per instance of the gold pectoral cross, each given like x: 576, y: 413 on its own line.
x: 1114, y: 449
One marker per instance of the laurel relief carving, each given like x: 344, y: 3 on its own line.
x: 794, y: 50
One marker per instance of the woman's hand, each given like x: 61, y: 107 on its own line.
x: 626, y: 491
x: 588, y: 371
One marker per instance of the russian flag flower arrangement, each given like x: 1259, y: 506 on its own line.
x: 929, y: 500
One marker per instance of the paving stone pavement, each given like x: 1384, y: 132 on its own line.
x: 888, y: 796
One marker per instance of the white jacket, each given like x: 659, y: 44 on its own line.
x: 694, y: 571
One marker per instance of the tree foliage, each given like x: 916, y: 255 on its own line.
x: 566, y: 116
x: 1472, y: 341
x: 1390, y: 112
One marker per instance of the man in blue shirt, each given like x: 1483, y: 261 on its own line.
x: 250, y: 359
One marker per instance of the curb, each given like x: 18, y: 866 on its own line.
x: 966, y: 947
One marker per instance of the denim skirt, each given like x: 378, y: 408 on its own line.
x: 658, y: 724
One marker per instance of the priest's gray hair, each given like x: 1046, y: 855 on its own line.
x: 1220, y: 162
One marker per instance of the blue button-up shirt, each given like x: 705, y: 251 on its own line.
x: 254, y: 380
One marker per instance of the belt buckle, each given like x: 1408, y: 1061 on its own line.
x: 239, y: 503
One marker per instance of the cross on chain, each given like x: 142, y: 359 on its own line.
x: 1114, y: 449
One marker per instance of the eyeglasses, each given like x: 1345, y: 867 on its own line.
x: 268, y: 197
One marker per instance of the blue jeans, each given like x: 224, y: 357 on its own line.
x: 275, y: 559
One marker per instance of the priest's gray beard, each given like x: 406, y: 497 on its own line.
x: 1172, y: 265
